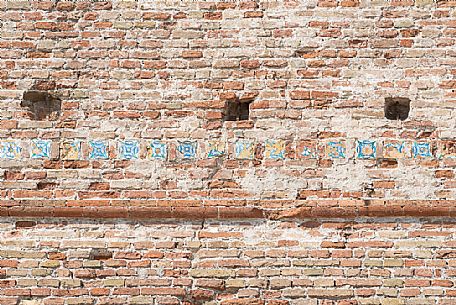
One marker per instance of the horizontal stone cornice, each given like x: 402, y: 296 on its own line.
x: 260, y: 209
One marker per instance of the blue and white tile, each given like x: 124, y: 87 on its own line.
x: 335, y: 150
x: 40, y: 149
x: 157, y: 150
x: 98, y: 150
x: 366, y: 149
x: 186, y: 150
x: 421, y: 150
x: 128, y: 149
x: 215, y: 149
x: 393, y: 149
x: 10, y: 149
x: 274, y: 149
x: 245, y: 149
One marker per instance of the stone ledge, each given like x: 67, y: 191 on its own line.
x: 253, y: 210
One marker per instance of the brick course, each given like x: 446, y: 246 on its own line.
x: 81, y: 261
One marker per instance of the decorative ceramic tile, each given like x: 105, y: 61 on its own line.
x: 40, y: 149
x: 307, y: 150
x: 215, y: 149
x: 98, y: 150
x: 10, y: 149
x: 157, y: 150
x: 335, y: 150
x: 366, y: 149
x: 187, y: 149
x: 394, y: 149
x: 274, y: 149
x: 447, y: 149
x: 244, y: 149
x: 129, y: 149
x: 71, y: 150
x: 421, y: 150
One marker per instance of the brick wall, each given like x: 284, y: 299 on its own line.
x: 122, y: 110
x: 126, y: 101
x: 312, y: 262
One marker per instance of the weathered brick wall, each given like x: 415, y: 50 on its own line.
x: 391, y: 262
x: 149, y: 81
x: 120, y: 110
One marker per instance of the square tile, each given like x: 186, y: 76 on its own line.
x: 335, y: 150
x: 10, y: 149
x: 244, y: 149
x: 394, y: 149
x: 71, y: 150
x: 366, y: 149
x: 157, y: 150
x: 421, y: 150
x: 128, y: 149
x: 186, y: 149
x: 447, y: 149
x: 274, y: 149
x: 40, y: 149
x: 215, y: 149
x: 307, y: 149
x: 98, y: 150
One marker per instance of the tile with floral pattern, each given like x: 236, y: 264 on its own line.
x: 307, y: 149
x: 10, y: 149
x: 421, y: 150
x: 128, y: 149
x: 70, y: 150
x: 394, y: 149
x: 157, y: 150
x: 98, y: 150
x: 244, y: 149
x: 447, y: 149
x: 215, y: 149
x: 186, y: 149
x: 274, y: 149
x: 335, y: 150
x: 40, y: 149
x: 366, y: 149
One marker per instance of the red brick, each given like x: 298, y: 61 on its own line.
x: 243, y: 302
x: 192, y: 54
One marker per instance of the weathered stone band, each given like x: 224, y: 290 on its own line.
x: 252, y: 210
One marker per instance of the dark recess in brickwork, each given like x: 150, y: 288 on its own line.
x: 237, y: 110
x: 41, y: 105
x: 397, y: 108
x: 25, y: 224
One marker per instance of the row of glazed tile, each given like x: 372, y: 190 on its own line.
x: 241, y: 149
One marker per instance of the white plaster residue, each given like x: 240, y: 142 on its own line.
x: 273, y: 180
x: 420, y: 183
x: 264, y: 231
x: 346, y: 177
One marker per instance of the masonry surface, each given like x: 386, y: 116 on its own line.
x: 124, y: 179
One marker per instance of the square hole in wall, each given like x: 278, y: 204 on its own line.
x: 236, y: 110
x: 397, y: 108
x: 41, y: 105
